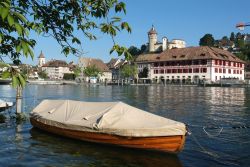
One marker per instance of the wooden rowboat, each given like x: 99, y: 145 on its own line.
x: 62, y: 117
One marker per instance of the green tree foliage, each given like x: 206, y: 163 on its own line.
x: 207, y: 40
x: 18, y: 79
x: 43, y: 75
x: 63, y: 20
x: 143, y: 73
x: 128, y: 71
x: 239, y: 43
x: 134, y: 51
x: 69, y: 76
x: 77, y: 71
x: 143, y: 48
x: 14, y: 32
x: 232, y: 36
x: 92, y: 71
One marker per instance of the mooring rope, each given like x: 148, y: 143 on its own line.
x: 221, y: 128
x: 201, y: 147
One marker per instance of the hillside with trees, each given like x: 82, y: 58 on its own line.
x: 238, y: 43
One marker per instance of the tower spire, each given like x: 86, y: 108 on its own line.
x: 152, y: 39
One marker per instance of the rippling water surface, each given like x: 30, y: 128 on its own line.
x: 214, y: 115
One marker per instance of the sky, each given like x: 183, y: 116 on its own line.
x: 183, y: 19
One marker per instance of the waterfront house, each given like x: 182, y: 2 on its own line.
x: 114, y: 66
x: 172, y: 62
x: 192, y: 64
x: 56, y: 69
x: 106, y: 75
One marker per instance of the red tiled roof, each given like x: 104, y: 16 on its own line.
x: 152, y: 31
x: 95, y: 62
x: 56, y: 63
x: 189, y: 53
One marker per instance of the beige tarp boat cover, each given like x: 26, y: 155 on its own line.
x: 115, y: 118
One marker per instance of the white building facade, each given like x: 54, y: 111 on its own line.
x: 56, y: 69
x: 155, y: 46
x: 192, y: 65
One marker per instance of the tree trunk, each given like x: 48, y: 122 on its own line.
x: 19, y: 100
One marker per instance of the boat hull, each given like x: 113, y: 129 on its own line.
x: 5, y: 81
x: 171, y: 144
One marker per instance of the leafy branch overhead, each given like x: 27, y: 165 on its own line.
x: 67, y: 21
x: 18, y: 79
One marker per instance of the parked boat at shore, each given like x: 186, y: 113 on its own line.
x: 5, y: 81
x: 4, y: 105
x: 114, y: 123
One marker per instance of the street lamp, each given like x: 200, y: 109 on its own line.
x: 241, y: 26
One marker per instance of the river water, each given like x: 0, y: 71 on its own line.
x: 215, y: 116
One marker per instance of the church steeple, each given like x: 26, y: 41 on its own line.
x: 41, y: 59
x: 41, y: 55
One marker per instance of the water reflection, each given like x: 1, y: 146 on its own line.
x: 83, y: 153
x: 198, y: 106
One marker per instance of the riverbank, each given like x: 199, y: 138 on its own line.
x: 51, y: 82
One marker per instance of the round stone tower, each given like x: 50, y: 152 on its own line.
x: 152, y: 39
x: 41, y: 59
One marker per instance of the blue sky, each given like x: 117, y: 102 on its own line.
x: 182, y: 19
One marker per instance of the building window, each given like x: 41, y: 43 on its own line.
x: 162, y: 71
x: 179, y: 70
x: 216, y: 70
x: 220, y: 62
x: 215, y: 77
x: 204, y: 70
x: 169, y: 71
x: 224, y: 70
x: 190, y: 70
x: 220, y: 70
x: 155, y: 64
x: 216, y: 62
x: 185, y: 70
x: 174, y: 70
x: 229, y: 63
x: 234, y: 71
x: 224, y: 63
x: 203, y: 62
x: 196, y: 70
x: 189, y: 62
x: 196, y: 62
x: 229, y: 71
x: 240, y: 72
